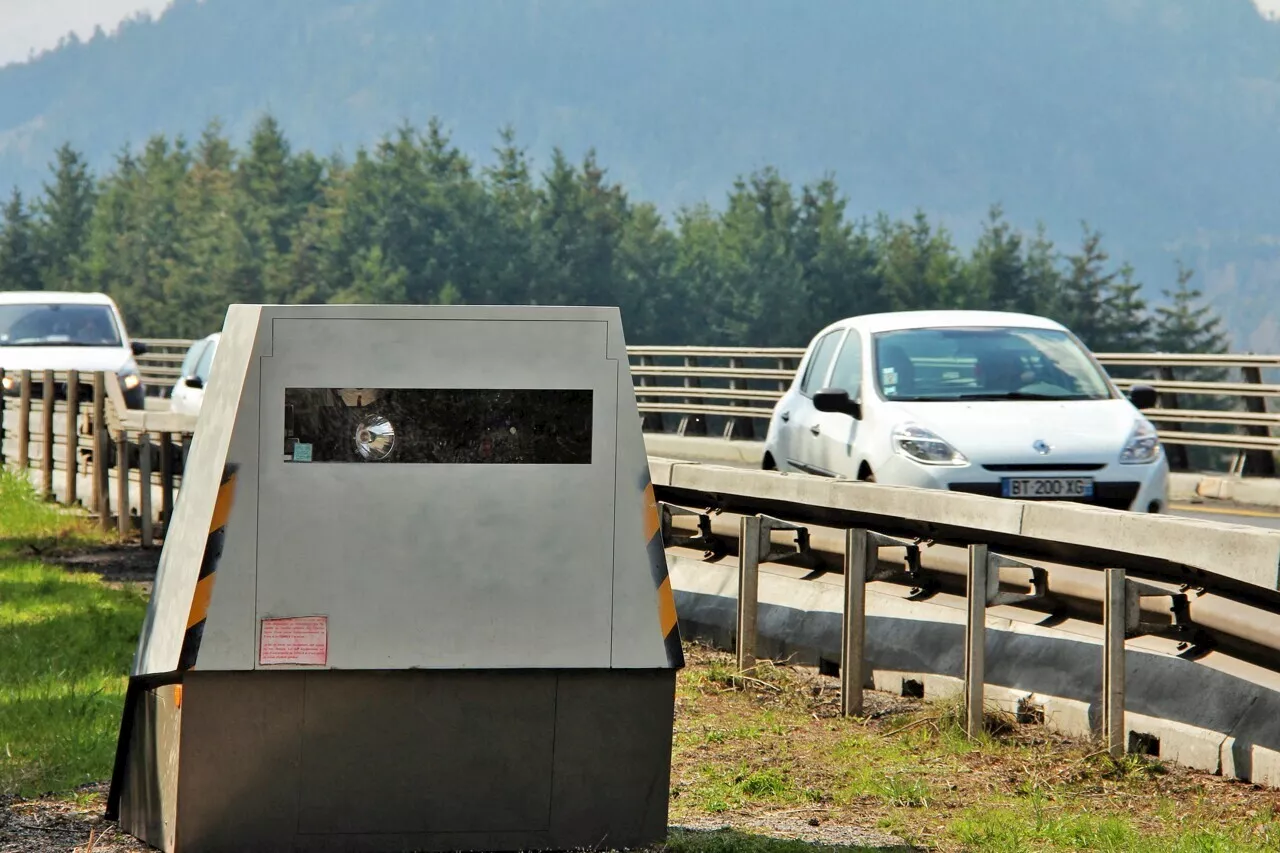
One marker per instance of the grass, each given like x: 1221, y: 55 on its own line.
x: 761, y: 752
x: 773, y: 743
x: 66, y: 640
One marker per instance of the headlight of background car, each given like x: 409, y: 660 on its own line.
x: 1142, y: 446
x: 9, y: 383
x: 129, y: 381
x: 918, y: 443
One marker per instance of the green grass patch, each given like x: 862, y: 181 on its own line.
x: 66, y: 641
x: 771, y: 742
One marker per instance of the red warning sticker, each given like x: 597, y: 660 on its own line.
x: 300, y: 640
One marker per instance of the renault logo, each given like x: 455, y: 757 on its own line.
x: 1042, y: 447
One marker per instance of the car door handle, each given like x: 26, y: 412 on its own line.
x: 786, y: 416
x: 815, y: 429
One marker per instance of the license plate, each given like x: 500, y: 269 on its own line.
x: 1047, y: 487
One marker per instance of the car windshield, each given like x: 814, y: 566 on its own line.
x: 58, y: 324
x: 1000, y: 363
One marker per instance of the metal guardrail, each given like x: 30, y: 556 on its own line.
x: 1209, y: 585
x: 1170, y: 581
x: 692, y: 390
x: 75, y: 432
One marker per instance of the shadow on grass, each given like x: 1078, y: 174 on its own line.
x: 683, y: 840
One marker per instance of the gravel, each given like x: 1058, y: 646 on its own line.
x: 809, y: 826
x: 58, y: 825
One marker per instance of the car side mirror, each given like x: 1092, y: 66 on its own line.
x: 1143, y: 396
x: 837, y: 400
x: 138, y: 347
x: 193, y: 382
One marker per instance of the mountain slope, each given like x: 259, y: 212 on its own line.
x: 1158, y: 121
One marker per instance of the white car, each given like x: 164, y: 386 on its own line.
x: 59, y: 330
x: 188, y: 391
x: 983, y: 402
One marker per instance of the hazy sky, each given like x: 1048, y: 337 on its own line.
x: 34, y: 25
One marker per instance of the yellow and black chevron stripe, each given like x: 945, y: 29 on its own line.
x: 208, y: 566
x: 657, y: 556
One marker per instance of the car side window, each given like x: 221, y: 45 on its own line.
x: 815, y: 373
x: 206, y: 361
x: 193, y: 357
x: 848, y: 372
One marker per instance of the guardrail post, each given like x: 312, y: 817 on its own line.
x: 73, y: 436
x: 692, y: 423
x: 748, y: 591
x: 859, y: 551
x: 1262, y: 462
x: 122, y: 483
x: 24, y: 421
x: 1176, y: 453
x: 783, y: 384
x: 166, y: 481
x: 1114, y: 617
x: 975, y: 639
x: 144, y: 487
x: 101, y: 452
x: 649, y: 421
x: 46, y: 435
x: 734, y: 425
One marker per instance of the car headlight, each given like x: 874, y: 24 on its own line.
x: 1143, y: 445
x: 8, y: 383
x: 918, y: 443
x: 130, y: 381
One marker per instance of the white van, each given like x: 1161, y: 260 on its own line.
x: 983, y: 402
x: 60, y: 330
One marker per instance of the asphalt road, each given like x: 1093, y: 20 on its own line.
x: 1229, y: 514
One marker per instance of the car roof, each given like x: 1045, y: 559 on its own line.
x: 899, y: 320
x: 62, y: 297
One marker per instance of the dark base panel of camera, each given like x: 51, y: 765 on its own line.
x: 442, y: 426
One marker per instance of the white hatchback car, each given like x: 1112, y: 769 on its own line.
x: 983, y: 402
x: 188, y: 392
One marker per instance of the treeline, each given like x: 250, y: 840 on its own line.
x: 176, y: 232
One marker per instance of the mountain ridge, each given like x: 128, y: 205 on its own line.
x: 1153, y: 120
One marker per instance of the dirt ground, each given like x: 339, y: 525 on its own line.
x: 115, y: 564
x: 63, y: 824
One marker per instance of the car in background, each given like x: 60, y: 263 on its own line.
x: 981, y: 402
x: 188, y: 392
x: 60, y: 330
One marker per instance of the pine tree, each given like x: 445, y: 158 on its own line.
x: 1186, y: 324
x: 838, y: 263
x: 1126, y: 320
x: 997, y: 272
x: 505, y: 246
x: 64, y: 216
x: 918, y: 265
x: 19, y: 263
x: 1081, y: 303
